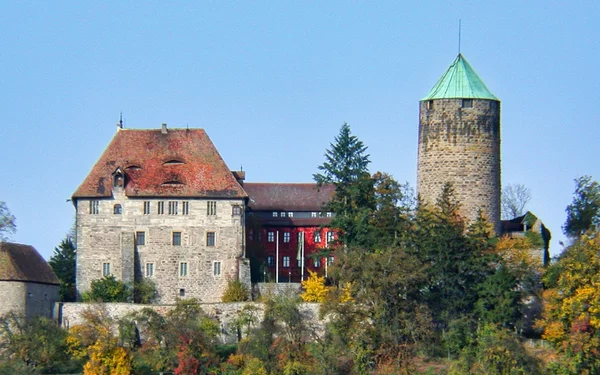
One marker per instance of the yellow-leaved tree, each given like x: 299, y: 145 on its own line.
x: 571, y: 317
x: 314, y: 288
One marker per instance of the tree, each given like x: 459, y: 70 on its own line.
x: 8, y: 224
x: 107, y: 289
x: 346, y: 166
x: 514, y: 199
x: 63, y: 264
x: 584, y: 212
x: 571, y: 316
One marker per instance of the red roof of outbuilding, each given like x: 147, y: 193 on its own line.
x: 23, y: 263
x: 175, y: 163
x: 287, y: 196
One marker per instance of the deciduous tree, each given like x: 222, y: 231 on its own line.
x: 514, y: 200
x: 584, y: 212
x: 8, y: 223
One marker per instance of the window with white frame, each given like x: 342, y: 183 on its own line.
x: 140, y: 238
x: 329, y: 214
x: 216, y: 268
x: 210, y: 238
x: 330, y: 260
x: 286, y: 261
x: 274, y: 214
x: 236, y: 210
x: 185, y: 208
x: 183, y: 269
x: 317, y: 262
x: 270, y: 260
x: 176, y: 238
x: 161, y: 208
x: 94, y: 207
x: 313, y: 214
x: 286, y: 236
x: 271, y: 236
x: 211, y: 208
x: 105, y: 269
x: 146, y: 207
x: 317, y: 236
x: 173, y: 207
x: 149, y: 269
x: 329, y: 237
x: 290, y: 214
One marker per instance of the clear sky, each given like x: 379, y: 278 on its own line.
x: 272, y: 82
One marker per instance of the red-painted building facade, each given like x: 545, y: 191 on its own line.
x: 285, y: 223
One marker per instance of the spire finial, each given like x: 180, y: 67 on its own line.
x: 459, y: 27
x: 121, y: 119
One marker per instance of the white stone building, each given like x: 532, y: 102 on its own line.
x: 162, y: 204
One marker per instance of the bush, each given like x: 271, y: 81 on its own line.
x: 107, y: 289
x: 144, y: 291
x: 236, y: 292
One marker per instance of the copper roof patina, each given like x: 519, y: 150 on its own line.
x: 460, y: 81
x: 23, y: 263
x: 169, y: 163
x: 288, y: 196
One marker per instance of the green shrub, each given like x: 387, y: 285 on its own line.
x: 236, y: 292
x: 107, y: 289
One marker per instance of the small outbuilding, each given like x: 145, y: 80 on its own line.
x: 28, y: 286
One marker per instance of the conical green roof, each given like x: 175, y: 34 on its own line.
x: 460, y: 81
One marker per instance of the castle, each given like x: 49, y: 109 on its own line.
x: 162, y: 204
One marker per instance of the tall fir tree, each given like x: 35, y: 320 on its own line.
x: 346, y: 166
x: 63, y: 264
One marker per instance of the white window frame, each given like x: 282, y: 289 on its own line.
x: 173, y: 207
x: 285, y: 262
x: 270, y: 236
x: 217, y: 268
x: 147, y: 208
x: 150, y: 269
x: 106, y: 269
x: 183, y: 269
x: 185, y: 208
x: 211, y: 208
x: 94, y: 207
x: 286, y: 237
x: 161, y: 208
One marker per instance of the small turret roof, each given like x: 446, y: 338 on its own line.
x: 460, y: 81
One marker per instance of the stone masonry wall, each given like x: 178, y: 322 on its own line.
x: 107, y: 238
x: 224, y: 313
x: 461, y: 146
x: 27, y: 299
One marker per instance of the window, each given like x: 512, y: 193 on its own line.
x: 329, y: 237
x: 118, y: 178
x: 274, y: 214
x: 146, y: 208
x: 313, y: 214
x: 329, y: 260
x: 105, y: 269
x: 94, y: 207
x: 329, y: 214
x: 270, y: 236
x: 176, y: 238
x: 211, y: 208
x: 140, y: 238
x: 185, y: 208
x: 183, y: 269
x: 282, y: 214
x: 467, y: 103
x: 286, y: 261
x: 430, y: 104
x: 251, y: 235
x: 290, y: 214
x: 317, y: 262
x: 270, y: 261
x: 181, y: 292
x: 173, y: 207
x: 286, y: 236
x: 149, y: 269
x: 317, y: 236
x: 236, y: 210
x: 161, y: 208
x: 117, y: 209
x: 210, y: 238
x: 216, y: 268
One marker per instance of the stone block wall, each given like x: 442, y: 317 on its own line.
x: 28, y: 299
x: 224, y: 313
x: 107, y: 237
x: 461, y: 146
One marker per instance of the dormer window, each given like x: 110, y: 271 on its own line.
x: 173, y: 162
x: 118, y: 178
x: 133, y: 168
x: 172, y: 183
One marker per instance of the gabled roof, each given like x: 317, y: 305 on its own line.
x: 287, y: 196
x: 460, y: 81
x: 23, y: 263
x: 167, y: 162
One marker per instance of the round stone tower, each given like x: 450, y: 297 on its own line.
x: 459, y: 142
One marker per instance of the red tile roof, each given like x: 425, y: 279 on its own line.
x: 178, y: 163
x: 287, y: 197
x: 23, y: 263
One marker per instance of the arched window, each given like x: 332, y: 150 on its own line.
x: 118, y: 178
x: 117, y: 209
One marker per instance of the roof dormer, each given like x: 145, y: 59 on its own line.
x: 118, y: 178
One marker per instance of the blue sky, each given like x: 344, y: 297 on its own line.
x: 272, y: 82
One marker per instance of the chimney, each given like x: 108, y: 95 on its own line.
x: 163, y: 130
